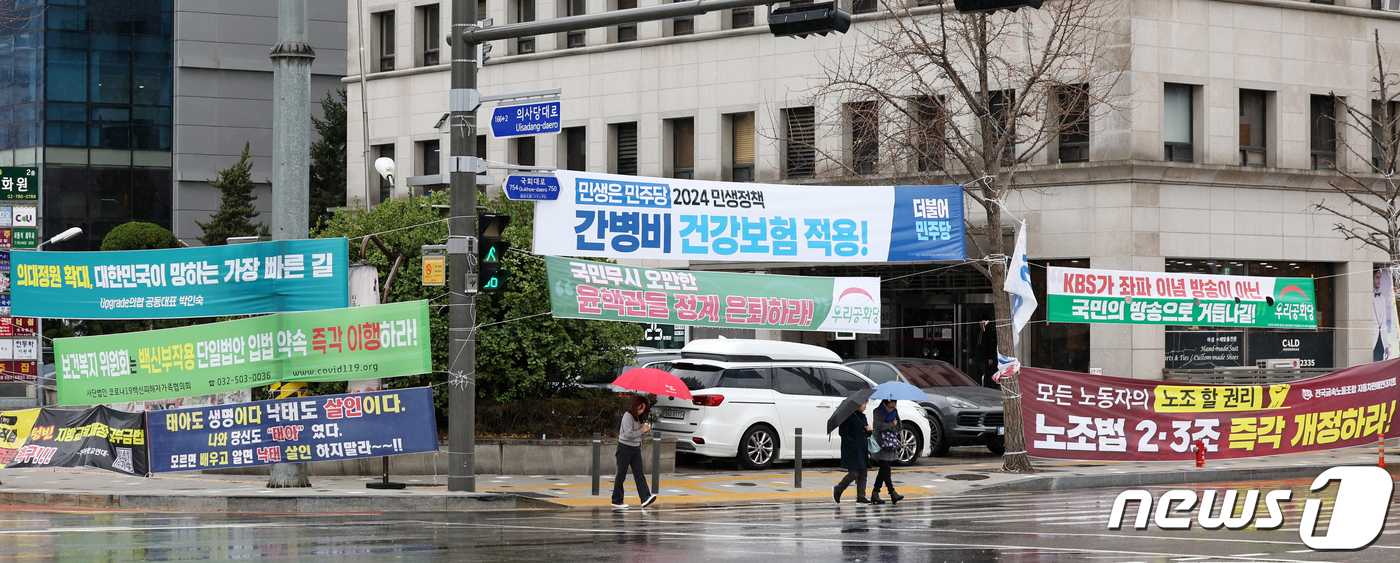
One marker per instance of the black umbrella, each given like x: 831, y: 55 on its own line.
x: 848, y: 406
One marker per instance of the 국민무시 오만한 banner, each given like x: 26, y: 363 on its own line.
x: 210, y: 281
x: 334, y: 345
x: 1092, y: 417
x: 583, y: 289
x: 96, y: 437
x: 1078, y: 295
x: 612, y: 216
x: 322, y: 428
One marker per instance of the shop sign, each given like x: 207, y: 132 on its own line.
x: 19, y: 183
x: 1199, y: 349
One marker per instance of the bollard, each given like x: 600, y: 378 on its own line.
x: 1200, y: 447
x: 597, y: 460
x: 655, y: 465
x: 797, y: 458
x: 1382, y: 450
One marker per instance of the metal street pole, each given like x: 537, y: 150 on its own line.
x: 461, y: 349
x: 291, y: 154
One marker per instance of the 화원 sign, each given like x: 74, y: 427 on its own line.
x: 324, y: 428
x: 582, y: 289
x: 532, y: 187
x: 1079, y: 295
x: 527, y: 119
x: 611, y: 216
x: 19, y: 183
x: 334, y: 345
x: 211, y: 281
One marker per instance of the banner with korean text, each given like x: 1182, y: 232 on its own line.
x: 335, y: 345
x: 97, y: 437
x: 239, y: 279
x: 612, y: 216
x: 14, y: 431
x: 1080, y: 416
x: 1078, y: 295
x: 324, y: 428
x: 581, y: 289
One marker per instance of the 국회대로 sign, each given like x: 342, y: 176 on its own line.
x: 612, y: 216
x: 323, y: 428
x: 582, y: 289
x: 210, y: 281
x: 1079, y: 295
x: 334, y: 345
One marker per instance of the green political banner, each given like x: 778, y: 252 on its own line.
x: 582, y: 289
x: 332, y: 345
x: 1079, y: 295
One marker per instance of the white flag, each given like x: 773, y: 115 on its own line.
x: 1383, y: 304
x: 1018, y: 284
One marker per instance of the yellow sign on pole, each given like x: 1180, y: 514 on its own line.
x: 288, y: 389
x: 434, y: 269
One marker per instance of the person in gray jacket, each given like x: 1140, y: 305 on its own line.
x: 885, y: 421
x: 629, y: 452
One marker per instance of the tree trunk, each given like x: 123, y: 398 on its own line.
x: 285, y: 475
x: 1015, y: 459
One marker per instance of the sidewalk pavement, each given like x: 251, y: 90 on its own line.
x: 194, y: 491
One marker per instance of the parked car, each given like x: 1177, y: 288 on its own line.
x: 645, y: 355
x: 963, y: 412
x: 750, y: 396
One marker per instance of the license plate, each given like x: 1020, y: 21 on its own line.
x: 673, y: 413
x: 1001, y: 430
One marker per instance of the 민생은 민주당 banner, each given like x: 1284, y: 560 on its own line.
x: 612, y: 216
x: 324, y: 428
x: 335, y: 345
x: 582, y: 289
x: 1093, y: 417
x: 1078, y: 295
x: 210, y: 281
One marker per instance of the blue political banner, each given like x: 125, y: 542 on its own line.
x: 324, y: 428
x: 242, y: 279
x: 541, y: 188
x: 527, y: 119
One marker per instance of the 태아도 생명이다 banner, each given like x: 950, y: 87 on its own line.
x: 323, y: 428
x: 1091, y: 417
x: 239, y: 279
x: 96, y: 437
x: 1079, y: 295
x: 612, y: 216
x: 582, y: 289
x: 334, y: 345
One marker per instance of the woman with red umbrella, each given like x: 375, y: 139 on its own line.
x: 629, y: 437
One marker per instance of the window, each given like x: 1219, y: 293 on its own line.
x: 683, y: 26
x: 801, y: 140
x: 865, y: 136
x: 481, y: 146
x: 1003, y: 126
x: 625, y: 141
x: 1387, y: 5
x: 929, y: 132
x: 575, y: 149
x: 742, y: 144
x: 1253, y: 139
x: 1383, y: 138
x: 627, y: 31
x: 683, y: 148
x: 1073, y: 104
x: 740, y: 18
x: 428, y: 34
x: 841, y: 383
x: 864, y: 6
x: 1177, y: 129
x: 524, y: 12
x: 386, y: 190
x: 745, y: 378
x: 430, y: 158
x: 881, y: 373
x: 576, y: 8
x: 798, y: 381
x: 1322, y: 119
x: 384, y: 25
x: 525, y: 151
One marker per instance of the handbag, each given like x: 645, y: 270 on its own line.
x: 871, y: 445
x: 889, y: 439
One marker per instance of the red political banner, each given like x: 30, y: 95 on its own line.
x: 1078, y: 416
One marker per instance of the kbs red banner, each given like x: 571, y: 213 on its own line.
x: 1078, y: 416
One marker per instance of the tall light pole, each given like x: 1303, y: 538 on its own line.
x: 39, y: 322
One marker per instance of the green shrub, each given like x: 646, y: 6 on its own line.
x: 553, y: 418
x: 139, y: 236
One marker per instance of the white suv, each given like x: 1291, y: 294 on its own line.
x: 750, y: 395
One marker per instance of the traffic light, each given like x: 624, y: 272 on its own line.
x: 978, y: 6
x: 490, y: 251
x: 804, y: 19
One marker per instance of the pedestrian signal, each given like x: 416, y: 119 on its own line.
x: 491, y: 252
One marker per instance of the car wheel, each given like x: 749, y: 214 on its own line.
x: 937, y: 440
x: 997, y: 447
x: 758, y: 448
x: 909, y: 444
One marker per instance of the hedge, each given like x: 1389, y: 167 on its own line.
x: 552, y: 418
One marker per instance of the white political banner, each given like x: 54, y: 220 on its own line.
x: 1018, y: 285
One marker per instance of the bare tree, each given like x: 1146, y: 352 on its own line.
x: 938, y: 97
x: 1371, y: 214
x: 14, y: 18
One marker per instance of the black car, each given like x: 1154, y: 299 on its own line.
x: 960, y: 411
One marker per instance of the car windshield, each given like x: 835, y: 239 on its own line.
x: 933, y: 374
x: 695, y: 376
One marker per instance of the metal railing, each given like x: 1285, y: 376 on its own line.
x: 1242, y: 375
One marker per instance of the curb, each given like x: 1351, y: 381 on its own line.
x: 285, y: 504
x: 1133, y: 480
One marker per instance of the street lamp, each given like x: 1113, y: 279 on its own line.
x: 39, y: 324
x: 60, y: 237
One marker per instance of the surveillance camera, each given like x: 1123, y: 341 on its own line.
x: 385, y: 167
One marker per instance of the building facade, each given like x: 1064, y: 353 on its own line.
x: 1214, y: 162
x: 129, y: 107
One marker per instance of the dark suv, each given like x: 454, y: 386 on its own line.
x: 961, y: 411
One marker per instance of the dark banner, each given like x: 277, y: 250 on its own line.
x: 325, y: 428
x: 96, y: 437
x: 1080, y: 416
x: 1199, y: 349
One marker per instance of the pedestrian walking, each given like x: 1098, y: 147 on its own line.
x: 854, y: 432
x: 886, y: 423
x: 629, y: 452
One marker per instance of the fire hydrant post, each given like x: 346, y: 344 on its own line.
x: 1200, y: 447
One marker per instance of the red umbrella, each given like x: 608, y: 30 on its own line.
x: 654, y: 381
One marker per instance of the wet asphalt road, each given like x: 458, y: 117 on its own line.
x: 1050, y: 527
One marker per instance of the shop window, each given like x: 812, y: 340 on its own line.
x: 1062, y: 346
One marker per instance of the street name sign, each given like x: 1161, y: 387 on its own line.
x: 524, y: 120
x: 532, y: 187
